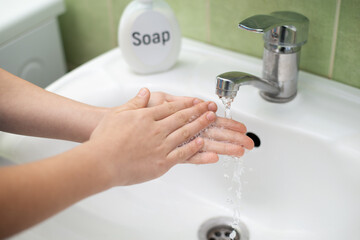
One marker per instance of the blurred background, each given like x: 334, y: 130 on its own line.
x: 89, y: 28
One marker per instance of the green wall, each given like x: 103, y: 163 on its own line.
x: 89, y: 28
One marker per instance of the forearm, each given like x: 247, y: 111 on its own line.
x: 33, y: 192
x: 30, y: 110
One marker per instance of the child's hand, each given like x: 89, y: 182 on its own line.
x: 225, y: 137
x: 158, y: 98
x: 138, y: 144
x: 142, y: 140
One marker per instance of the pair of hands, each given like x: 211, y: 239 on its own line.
x: 133, y: 143
x: 144, y: 138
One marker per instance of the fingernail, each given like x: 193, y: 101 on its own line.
x: 142, y: 92
x: 211, y: 116
x: 196, y: 101
x: 212, y: 106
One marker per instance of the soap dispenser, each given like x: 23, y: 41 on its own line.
x: 149, y: 36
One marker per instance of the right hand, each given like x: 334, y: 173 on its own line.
x: 138, y: 144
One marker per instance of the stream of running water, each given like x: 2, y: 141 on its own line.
x: 233, y: 175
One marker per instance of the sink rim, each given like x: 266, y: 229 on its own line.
x: 254, y: 108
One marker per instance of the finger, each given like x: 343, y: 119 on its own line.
x: 166, y: 109
x: 139, y: 101
x: 180, y: 118
x: 189, y: 130
x: 230, y: 124
x: 226, y: 135
x: 203, y: 158
x: 223, y: 148
x: 171, y: 98
x: 186, y: 151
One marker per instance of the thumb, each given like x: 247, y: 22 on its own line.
x: 140, y: 100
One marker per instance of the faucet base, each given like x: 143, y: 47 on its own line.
x: 275, y: 99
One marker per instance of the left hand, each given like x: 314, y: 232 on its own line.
x: 225, y: 136
x: 158, y: 98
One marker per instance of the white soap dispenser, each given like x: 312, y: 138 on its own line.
x: 149, y: 36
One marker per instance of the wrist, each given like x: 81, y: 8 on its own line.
x: 94, y: 116
x: 97, y: 156
x: 92, y: 163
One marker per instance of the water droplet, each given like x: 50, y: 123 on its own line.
x: 229, y: 201
x: 232, y: 234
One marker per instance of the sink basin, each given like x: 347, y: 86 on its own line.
x: 302, y: 182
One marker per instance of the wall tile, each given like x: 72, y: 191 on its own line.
x: 89, y: 28
x: 118, y: 7
x: 347, y: 57
x: 193, y: 17
x: 85, y: 30
x: 315, y: 55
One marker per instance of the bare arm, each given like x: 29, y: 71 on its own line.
x: 32, y: 192
x: 109, y: 157
x: 30, y: 110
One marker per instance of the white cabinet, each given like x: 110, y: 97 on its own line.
x: 30, y: 40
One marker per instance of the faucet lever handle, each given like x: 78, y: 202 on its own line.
x: 284, y: 28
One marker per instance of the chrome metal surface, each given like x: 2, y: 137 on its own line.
x: 281, y: 49
x: 282, y: 70
x: 220, y: 228
x: 222, y: 233
x: 228, y: 84
x: 279, y: 28
x: 284, y: 34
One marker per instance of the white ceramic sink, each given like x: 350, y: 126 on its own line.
x: 303, y: 182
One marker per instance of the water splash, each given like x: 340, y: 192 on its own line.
x: 227, y: 103
x: 233, y: 176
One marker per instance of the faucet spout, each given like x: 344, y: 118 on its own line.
x: 228, y: 84
x: 284, y: 34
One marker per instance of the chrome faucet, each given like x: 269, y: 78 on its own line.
x: 284, y: 34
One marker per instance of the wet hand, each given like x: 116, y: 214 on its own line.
x: 158, y: 98
x: 139, y: 143
x: 225, y: 136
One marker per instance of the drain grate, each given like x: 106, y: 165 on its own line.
x: 220, y: 228
x: 223, y: 232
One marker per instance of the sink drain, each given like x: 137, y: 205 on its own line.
x: 223, y: 233
x: 220, y: 229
